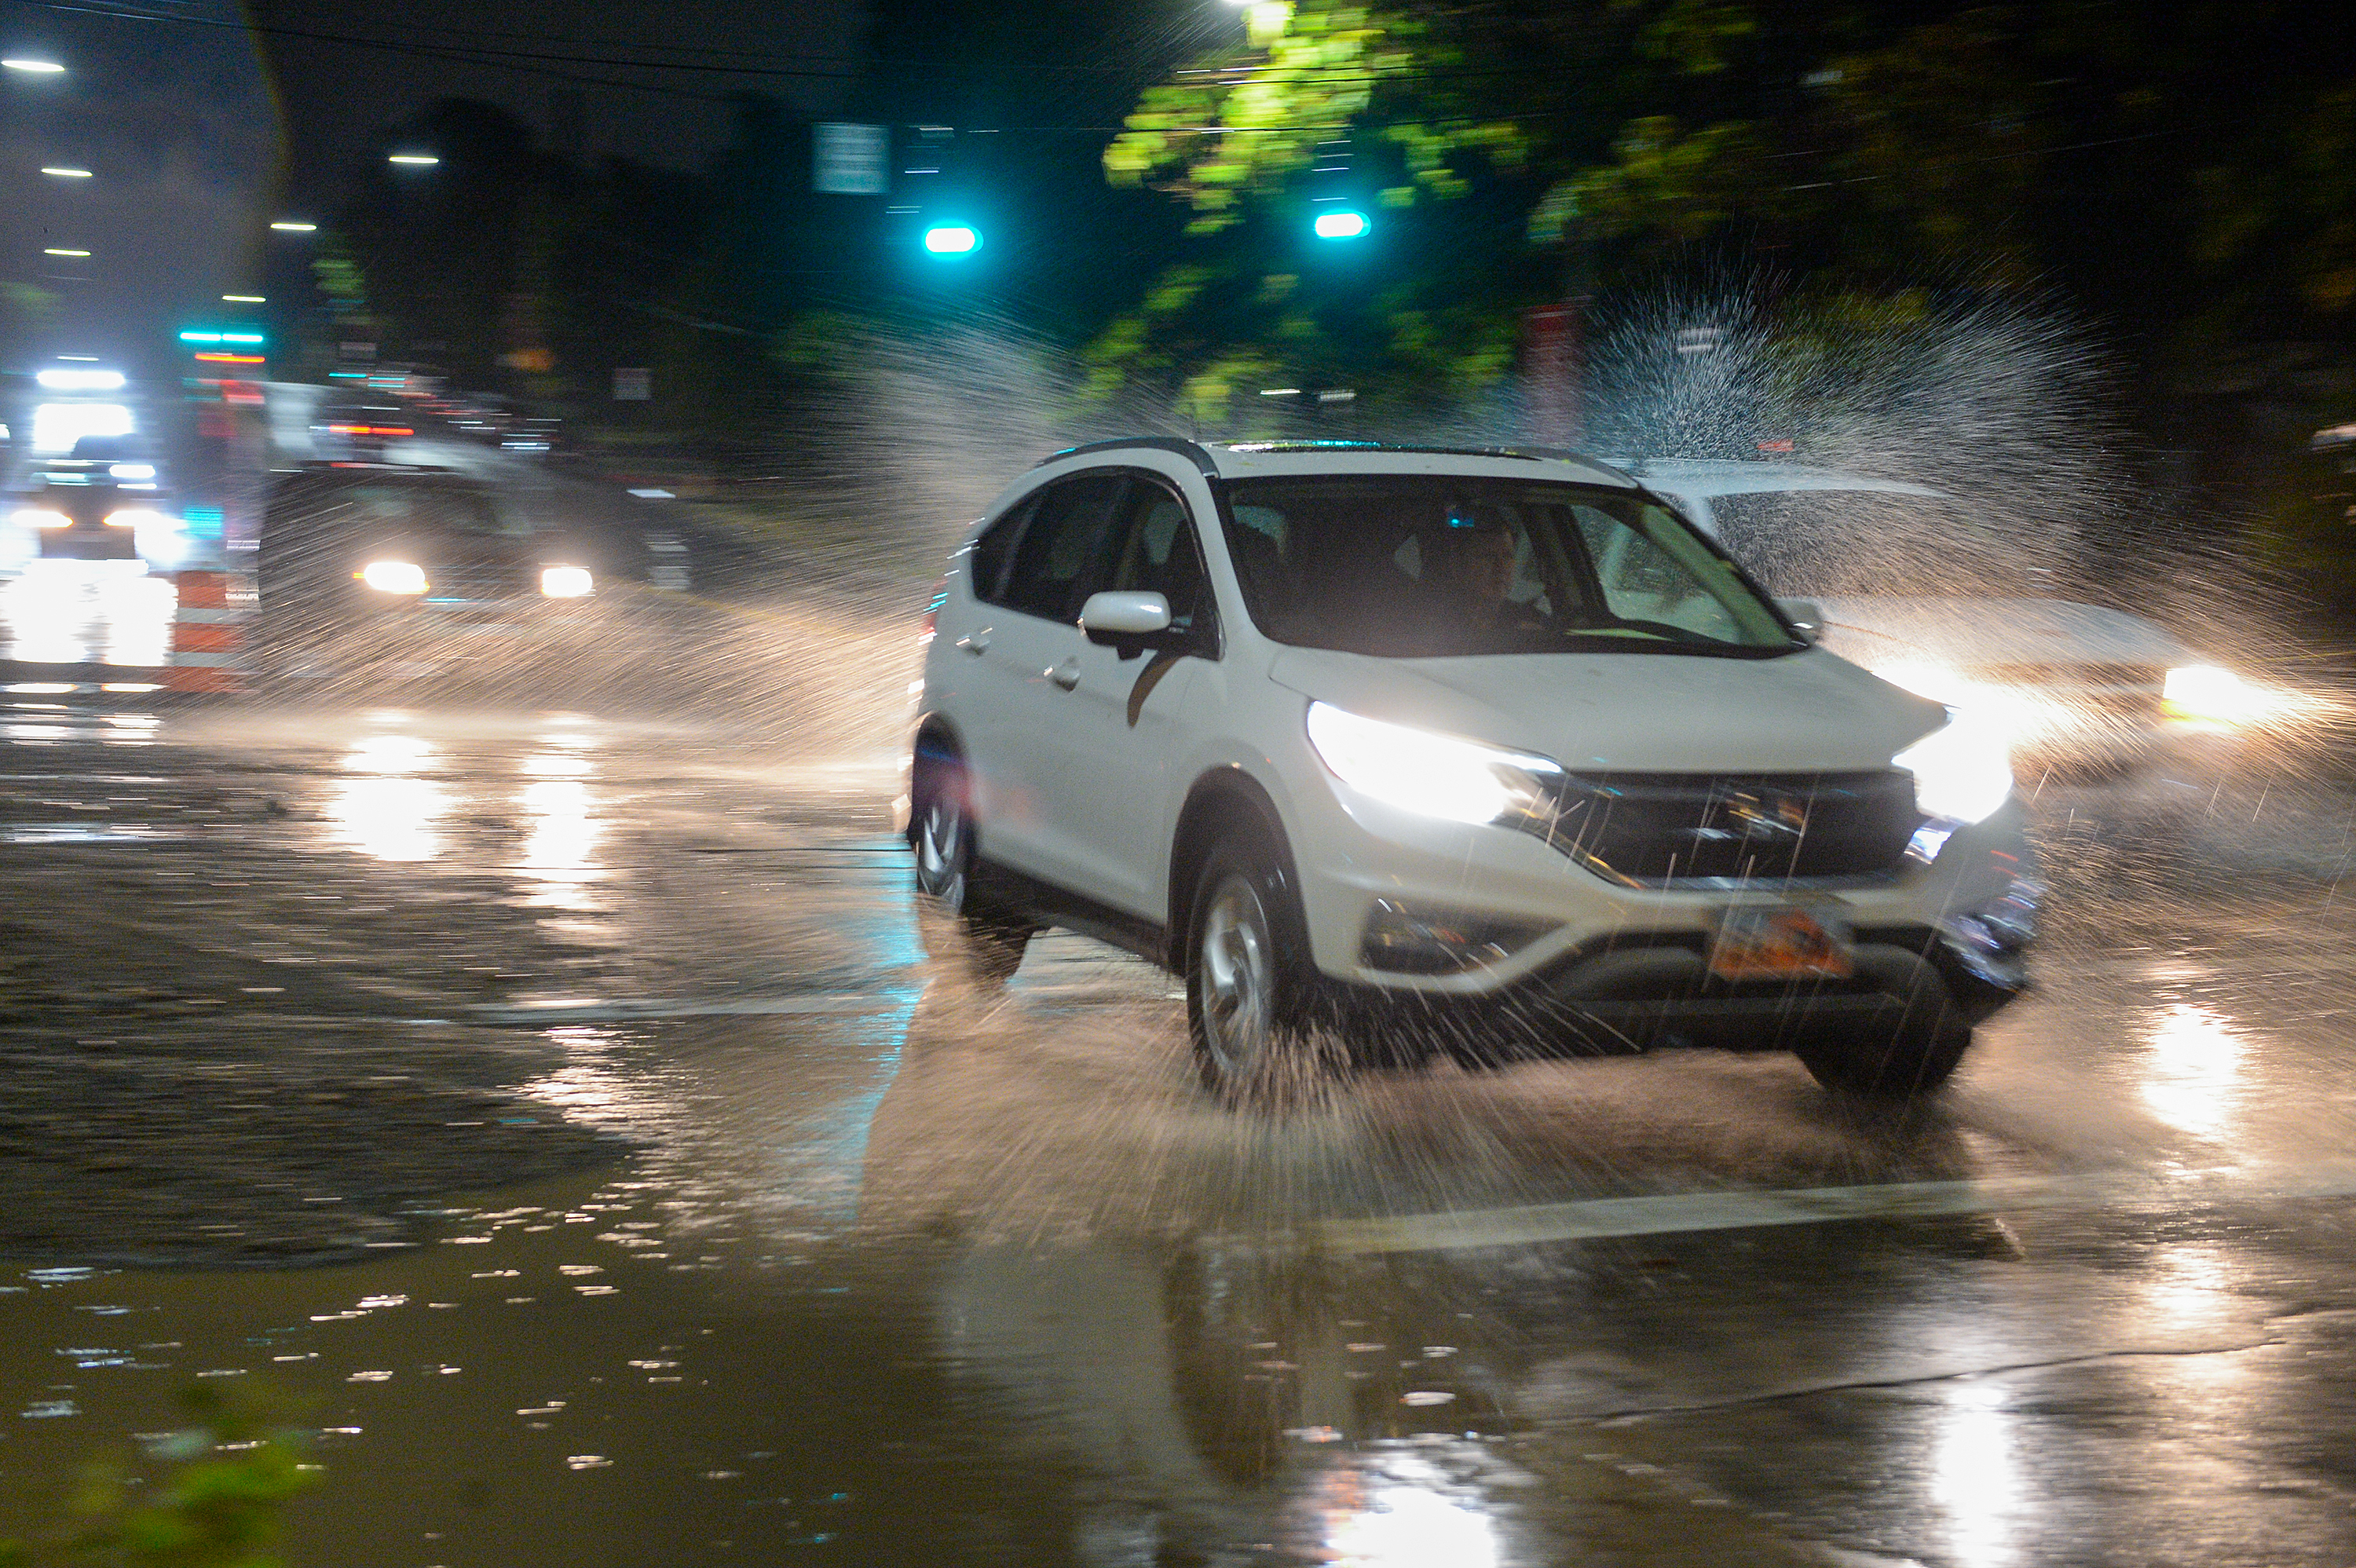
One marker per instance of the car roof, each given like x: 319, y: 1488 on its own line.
x: 1272, y: 459
x: 1706, y: 477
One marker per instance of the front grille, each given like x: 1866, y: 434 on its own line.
x: 477, y: 584
x: 1652, y: 829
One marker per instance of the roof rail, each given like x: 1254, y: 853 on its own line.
x: 1192, y: 449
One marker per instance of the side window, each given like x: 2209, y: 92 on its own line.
x: 1154, y: 550
x: 1054, y: 549
x: 985, y: 566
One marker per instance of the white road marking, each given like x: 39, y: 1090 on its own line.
x: 1821, y: 1205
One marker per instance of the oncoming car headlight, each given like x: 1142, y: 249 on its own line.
x: 1962, y: 772
x: 133, y: 518
x: 1438, y: 776
x: 564, y: 583
x: 393, y: 576
x: 42, y: 517
x: 2204, y: 691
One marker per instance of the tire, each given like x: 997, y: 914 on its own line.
x: 985, y: 944
x: 1880, y: 1062
x: 1251, y: 988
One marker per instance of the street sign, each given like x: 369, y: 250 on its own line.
x: 850, y: 160
x: 633, y: 386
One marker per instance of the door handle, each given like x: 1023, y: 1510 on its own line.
x: 977, y: 645
x: 1065, y: 675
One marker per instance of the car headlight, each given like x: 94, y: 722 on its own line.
x: 42, y: 517
x: 393, y: 577
x: 1961, y: 772
x: 2206, y: 691
x: 133, y: 518
x: 1438, y: 776
x: 564, y: 583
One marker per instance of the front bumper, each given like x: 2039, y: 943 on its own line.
x: 1546, y: 935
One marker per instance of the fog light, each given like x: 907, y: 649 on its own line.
x: 564, y: 583
x: 393, y: 577
x: 1406, y: 940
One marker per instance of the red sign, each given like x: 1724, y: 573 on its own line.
x: 1550, y: 367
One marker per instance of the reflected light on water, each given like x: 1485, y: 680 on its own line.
x: 87, y: 612
x: 389, y: 812
x: 1404, y: 1526
x: 561, y: 832
x: 1975, y: 1475
x: 2192, y: 1078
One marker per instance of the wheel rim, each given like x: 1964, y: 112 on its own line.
x: 1236, y: 969
x: 941, y: 850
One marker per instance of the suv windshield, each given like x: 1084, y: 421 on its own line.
x: 1435, y: 566
x: 392, y: 508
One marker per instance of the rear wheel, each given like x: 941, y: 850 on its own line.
x: 986, y: 943
x: 1251, y: 984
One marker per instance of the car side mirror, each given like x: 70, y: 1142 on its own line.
x: 1807, y: 617
x: 1126, y: 621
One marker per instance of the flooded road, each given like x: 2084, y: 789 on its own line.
x: 725, y: 1230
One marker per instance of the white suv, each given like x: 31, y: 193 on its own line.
x: 1485, y: 751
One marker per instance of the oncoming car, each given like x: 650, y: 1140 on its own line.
x: 363, y: 559
x: 1484, y: 751
x: 1886, y: 569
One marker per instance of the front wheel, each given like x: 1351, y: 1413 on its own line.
x: 1917, y: 1057
x: 1251, y: 984
x: 987, y: 944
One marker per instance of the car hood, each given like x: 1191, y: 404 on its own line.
x: 1967, y: 634
x: 1803, y: 712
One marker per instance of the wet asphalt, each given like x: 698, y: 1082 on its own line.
x: 553, y: 1093
x: 854, y: 1264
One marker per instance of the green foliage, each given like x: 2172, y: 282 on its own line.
x: 1248, y: 122
x: 210, y: 1495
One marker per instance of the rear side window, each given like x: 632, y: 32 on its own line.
x: 1054, y: 551
x: 985, y: 567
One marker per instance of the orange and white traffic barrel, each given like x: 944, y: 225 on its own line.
x: 208, y: 646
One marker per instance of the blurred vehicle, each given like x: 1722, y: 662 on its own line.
x: 392, y: 558
x: 358, y: 432
x: 532, y: 437
x: 1490, y: 747
x: 104, y: 501
x: 2063, y: 684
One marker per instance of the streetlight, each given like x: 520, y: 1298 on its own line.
x: 952, y: 239
x: 1342, y: 225
x: 58, y: 171
x: 415, y: 160
x: 285, y: 226
x: 35, y: 67
x: 58, y: 250
x: 245, y: 299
